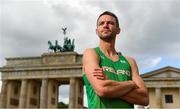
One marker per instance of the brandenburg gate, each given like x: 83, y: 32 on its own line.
x: 32, y: 82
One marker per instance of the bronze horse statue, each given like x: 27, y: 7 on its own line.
x: 55, y: 47
x: 68, y: 45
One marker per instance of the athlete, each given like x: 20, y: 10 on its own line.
x: 111, y: 79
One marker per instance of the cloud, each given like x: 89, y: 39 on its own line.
x: 150, y: 30
x: 64, y: 94
x: 147, y: 27
x: 150, y: 62
x: 26, y: 28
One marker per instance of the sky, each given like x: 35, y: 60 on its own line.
x: 150, y: 29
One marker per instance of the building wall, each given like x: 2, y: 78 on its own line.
x: 163, y: 82
x: 165, y: 91
x: 12, y: 95
x: 33, y: 94
x: 176, y: 97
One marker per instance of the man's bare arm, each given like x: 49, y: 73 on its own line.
x: 104, y: 88
x: 139, y: 95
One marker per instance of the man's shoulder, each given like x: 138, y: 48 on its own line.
x: 89, y: 51
x: 131, y: 60
x: 129, y: 57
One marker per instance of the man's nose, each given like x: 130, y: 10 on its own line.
x: 105, y: 25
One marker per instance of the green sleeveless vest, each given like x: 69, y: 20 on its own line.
x: 119, y: 71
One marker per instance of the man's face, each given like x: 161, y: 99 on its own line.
x: 106, y: 27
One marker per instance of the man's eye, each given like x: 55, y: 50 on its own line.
x: 101, y: 23
x: 112, y: 23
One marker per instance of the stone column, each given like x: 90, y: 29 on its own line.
x: 72, y: 93
x: 43, y: 93
x: 158, y: 97
x: 3, y: 95
x: 79, y: 93
x: 23, y: 94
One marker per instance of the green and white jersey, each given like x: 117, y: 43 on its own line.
x: 119, y: 71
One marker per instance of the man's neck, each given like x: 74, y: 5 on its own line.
x: 107, y: 48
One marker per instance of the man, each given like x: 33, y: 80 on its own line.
x: 112, y: 80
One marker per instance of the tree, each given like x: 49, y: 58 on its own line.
x: 62, y: 105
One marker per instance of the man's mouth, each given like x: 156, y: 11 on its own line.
x: 106, y: 31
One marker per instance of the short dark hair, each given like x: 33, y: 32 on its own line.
x: 111, y: 14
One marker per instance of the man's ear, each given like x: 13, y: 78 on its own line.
x: 118, y: 30
x: 96, y: 31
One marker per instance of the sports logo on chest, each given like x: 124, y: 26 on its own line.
x: 119, y: 71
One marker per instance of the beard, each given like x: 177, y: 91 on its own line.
x: 107, y: 37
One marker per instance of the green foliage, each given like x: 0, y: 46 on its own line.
x: 62, y: 105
